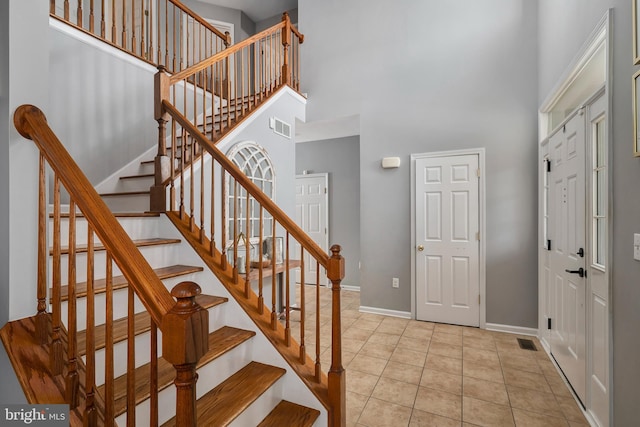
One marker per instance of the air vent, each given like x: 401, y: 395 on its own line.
x: 280, y: 127
x: 527, y: 344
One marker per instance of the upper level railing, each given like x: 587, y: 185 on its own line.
x: 184, y: 324
x: 161, y: 32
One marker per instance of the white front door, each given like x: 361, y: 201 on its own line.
x: 568, y: 246
x: 312, y: 211
x: 447, y: 239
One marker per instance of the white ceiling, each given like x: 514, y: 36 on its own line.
x: 327, y: 129
x: 258, y: 10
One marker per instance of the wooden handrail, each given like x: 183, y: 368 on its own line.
x: 185, y: 9
x: 31, y: 123
x: 278, y: 214
x: 187, y: 72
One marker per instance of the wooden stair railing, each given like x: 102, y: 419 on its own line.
x: 215, y: 205
x: 219, y: 92
x: 184, y: 324
x: 161, y: 32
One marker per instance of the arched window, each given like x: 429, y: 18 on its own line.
x: 254, y: 161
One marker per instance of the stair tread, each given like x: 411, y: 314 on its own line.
x: 142, y: 324
x: 225, y: 402
x: 290, y: 414
x: 142, y: 175
x: 220, y: 341
x: 116, y: 214
x: 119, y: 282
x: 125, y: 193
x: 153, y: 241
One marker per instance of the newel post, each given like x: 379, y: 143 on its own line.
x: 162, y: 161
x: 336, y: 376
x: 185, y: 340
x: 286, y: 42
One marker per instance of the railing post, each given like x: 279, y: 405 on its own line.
x: 336, y: 376
x: 286, y: 42
x: 185, y: 340
x: 162, y: 162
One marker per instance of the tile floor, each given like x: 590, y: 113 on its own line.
x: 408, y: 373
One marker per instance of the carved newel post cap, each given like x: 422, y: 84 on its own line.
x: 335, y: 250
x: 186, y: 290
x: 162, y: 68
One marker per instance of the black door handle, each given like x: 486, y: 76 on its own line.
x: 579, y: 272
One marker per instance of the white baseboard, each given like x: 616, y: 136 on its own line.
x: 520, y: 330
x: 386, y: 312
x: 350, y: 288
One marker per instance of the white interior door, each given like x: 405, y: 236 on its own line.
x: 568, y: 246
x: 312, y: 215
x: 447, y: 239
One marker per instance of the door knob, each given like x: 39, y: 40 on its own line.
x: 420, y: 248
x: 579, y: 272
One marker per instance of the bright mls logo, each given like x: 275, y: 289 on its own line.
x: 39, y: 415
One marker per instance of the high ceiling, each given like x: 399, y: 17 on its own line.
x: 258, y: 10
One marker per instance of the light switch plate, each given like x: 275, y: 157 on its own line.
x: 636, y: 246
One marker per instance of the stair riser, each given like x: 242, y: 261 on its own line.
x: 136, y: 228
x: 134, y: 184
x: 137, y: 203
x: 156, y: 256
x: 209, y: 376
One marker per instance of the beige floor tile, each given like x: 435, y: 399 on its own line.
x: 478, y: 342
x: 558, y: 386
x: 417, y: 333
x: 453, y: 339
x: 578, y: 424
x: 520, y: 363
x: 417, y: 344
x: 353, y: 346
x: 401, y: 372
x: 380, y: 351
x: 372, y: 317
x: 354, y: 333
x: 526, y: 380
x: 447, y: 350
x: 361, y: 382
x: 471, y: 369
x: 571, y: 410
x: 426, y: 419
x: 485, y: 390
x: 439, y: 403
x: 409, y: 357
x: 481, y: 357
x: 378, y: 413
x: 368, y: 364
x: 369, y: 325
x: 450, y: 365
x: 449, y: 329
x: 547, y: 367
x: 395, y: 391
x: 355, y: 405
x: 532, y: 419
x: 534, y: 401
x: 441, y: 381
x: 483, y: 413
x: 384, y: 338
x: 478, y: 333
x: 391, y: 328
x: 418, y: 324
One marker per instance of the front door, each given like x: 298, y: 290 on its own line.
x: 312, y: 217
x: 447, y: 239
x: 568, y: 246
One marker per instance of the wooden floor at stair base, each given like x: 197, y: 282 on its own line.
x: 224, y: 403
x: 290, y: 414
x: 30, y: 361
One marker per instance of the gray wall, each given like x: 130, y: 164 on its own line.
x: 340, y: 158
x: 243, y: 26
x: 431, y: 76
x: 558, y: 45
x: 5, y: 176
x: 270, y: 22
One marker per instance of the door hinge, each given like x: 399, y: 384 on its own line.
x: 549, y: 323
x: 478, y: 299
x: 477, y: 235
x: 548, y: 245
x: 325, y: 230
x: 478, y: 172
x: 325, y: 190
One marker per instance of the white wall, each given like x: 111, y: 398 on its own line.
x: 431, y: 76
x: 564, y: 27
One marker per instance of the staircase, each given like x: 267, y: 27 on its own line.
x: 108, y: 337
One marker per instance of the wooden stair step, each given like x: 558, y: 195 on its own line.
x: 119, y: 282
x: 145, y: 175
x: 142, y: 324
x: 155, y: 241
x: 225, y: 402
x: 220, y: 342
x: 290, y: 414
x: 116, y: 214
x: 125, y: 193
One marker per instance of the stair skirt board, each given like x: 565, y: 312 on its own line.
x: 258, y: 349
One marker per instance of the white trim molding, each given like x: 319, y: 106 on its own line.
x: 350, y: 288
x: 386, y: 312
x: 519, y: 330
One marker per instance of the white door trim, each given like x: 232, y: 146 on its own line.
x: 481, y: 216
